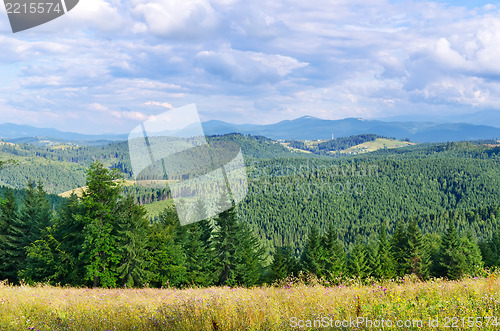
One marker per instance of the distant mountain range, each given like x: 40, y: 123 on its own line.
x: 309, y: 128
x: 489, y: 117
x: 29, y: 134
x: 303, y: 128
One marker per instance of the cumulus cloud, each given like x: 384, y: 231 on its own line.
x: 252, y: 61
x: 132, y: 115
x: 161, y: 104
x: 247, y: 67
x: 177, y: 18
x: 98, y: 14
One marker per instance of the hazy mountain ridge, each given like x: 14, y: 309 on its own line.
x: 303, y: 128
x: 10, y: 131
x: 310, y: 128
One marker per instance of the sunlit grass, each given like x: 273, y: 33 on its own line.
x: 260, y: 308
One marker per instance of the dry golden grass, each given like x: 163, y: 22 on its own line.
x: 260, y: 308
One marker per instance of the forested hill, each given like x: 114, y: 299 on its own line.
x: 55, y: 201
x: 290, y: 192
x: 293, y: 199
x: 62, y: 167
x: 288, y: 196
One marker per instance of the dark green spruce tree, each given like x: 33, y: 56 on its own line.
x: 13, y: 239
x: 452, y: 260
x: 417, y: 260
x: 237, y: 252
x: 197, y: 247
x: 358, y: 263
x: 225, y: 242
x: 387, y: 263
x: 132, y: 232
x: 373, y: 257
x: 312, y: 254
x: 35, y: 212
x: 399, y: 249
x: 283, y: 264
x: 166, y: 257
x: 333, y: 259
x: 473, y: 257
x: 250, y: 257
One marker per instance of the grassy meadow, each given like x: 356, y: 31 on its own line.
x: 469, y: 304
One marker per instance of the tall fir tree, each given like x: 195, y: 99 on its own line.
x: 35, y: 212
x: 166, y: 258
x: 399, y: 248
x: 473, y: 256
x: 333, y: 259
x: 452, y: 259
x: 100, y: 202
x: 387, y: 263
x: 132, y: 231
x: 250, y: 256
x: 225, y: 242
x: 374, y: 267
x: 358, y: 264
x: 69, y: 232
x: 417, y: 260
x: 197, y: 247
x: 12, y: 239
x: 490, y: 250
x: 312, y: 255
x: 283, y: 263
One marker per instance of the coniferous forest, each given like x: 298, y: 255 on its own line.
x: 428, y: 210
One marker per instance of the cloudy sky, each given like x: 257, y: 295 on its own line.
x: 107, y: 65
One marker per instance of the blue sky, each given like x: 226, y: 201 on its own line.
x: 108, y: 65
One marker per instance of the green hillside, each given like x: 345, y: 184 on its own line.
x: 317, y: 214
x: 62, y: 167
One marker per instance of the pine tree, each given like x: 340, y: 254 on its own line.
x: 166, y: 258
x: 249, y: 257
x: 312, y: 255
x: 100, y: 204
x: 283, y: 264
x: 491, y: 251
x: 452, y: 259
x: 473, y: 257
x: 417, y: 260
x: 387, y: 263
x: 225, y: 242
x: 197, y: 246
x: 358, y: 264
x: 132, y: 231
x: 35, y: 211
x: 374, y: 267
x: 68, y: 231
x: 12, y: 239
x: 333, y: 259
x: 399, y: 248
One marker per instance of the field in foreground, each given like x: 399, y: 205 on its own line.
x: 470, y: 304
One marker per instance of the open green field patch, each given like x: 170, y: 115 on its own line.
x: 379, y: 143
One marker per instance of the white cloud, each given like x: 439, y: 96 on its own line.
x: 110, y: 60
x: 247, y: 67
x: 161, y: 104
x: 99, y: 14
x: 178, y: 18
x: 132, y: 115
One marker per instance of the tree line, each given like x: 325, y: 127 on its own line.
x: 104, y: 239
x: 406, y: 251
